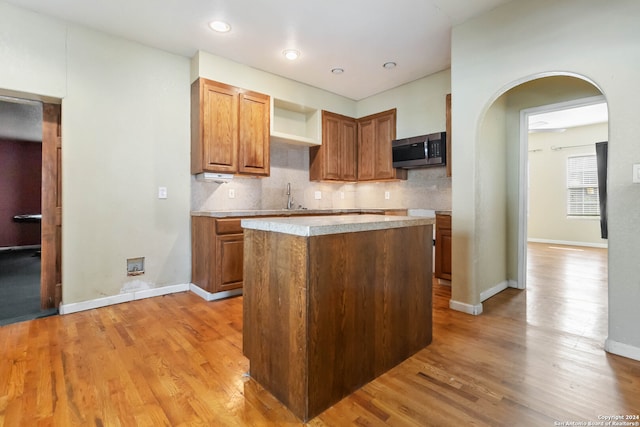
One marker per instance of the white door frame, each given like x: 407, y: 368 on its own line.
x: 523, y: 193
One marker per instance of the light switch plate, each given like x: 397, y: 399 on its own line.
x: 318, y: 195
x: 387, y: 195
x: 232, y: 193
x: 636, y: 173
x: 162, y: 192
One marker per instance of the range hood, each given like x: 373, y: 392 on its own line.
x: 219, y: 178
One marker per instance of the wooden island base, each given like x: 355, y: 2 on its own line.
x: 324, y: 315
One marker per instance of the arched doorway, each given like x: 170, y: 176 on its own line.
x: 502, y: 161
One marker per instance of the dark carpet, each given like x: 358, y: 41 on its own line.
x: 20, y: 286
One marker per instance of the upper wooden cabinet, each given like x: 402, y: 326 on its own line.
x: 355, y: 149
x: 375, y: 161
x: 335, y: 159
x: 229, y: 129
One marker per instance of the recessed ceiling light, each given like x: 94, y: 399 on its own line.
x: 337, y: 70
x: 220, y: 26
x: 291, y: 54
x: 389, y: 65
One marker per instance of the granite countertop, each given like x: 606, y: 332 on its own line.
x: 323, y: 225
x: 291, y: 212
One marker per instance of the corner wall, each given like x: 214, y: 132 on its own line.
x: 125, y: 131
x: 521, y: 41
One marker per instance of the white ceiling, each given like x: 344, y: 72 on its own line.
x: 558, y: 121
x: 357, y: 35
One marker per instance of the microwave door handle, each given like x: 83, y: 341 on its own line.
x: 426, y: 148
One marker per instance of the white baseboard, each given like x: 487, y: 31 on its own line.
x: 163, y: 290
x: 485, y: 295
x: 568, y: 243
x: 621, y: 349
x: 465, y: 308
x: 120, y: 298
x: 215, y: 296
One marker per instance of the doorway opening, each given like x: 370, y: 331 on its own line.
x: 563, y: 240
x: 502, y: 195
x: 25, y: 209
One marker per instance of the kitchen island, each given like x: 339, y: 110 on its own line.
x: 330, y: 303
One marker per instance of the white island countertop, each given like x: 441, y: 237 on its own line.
x: 323, y: 225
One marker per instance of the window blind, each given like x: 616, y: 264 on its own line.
x: 582, y: 186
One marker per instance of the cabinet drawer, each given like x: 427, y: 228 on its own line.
x: 443, y: 221
x: 228, y: 226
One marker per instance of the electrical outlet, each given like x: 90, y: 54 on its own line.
x: 342, y: 195
x: 232, y: 193
x: 636, y: 173
x: 162, y: 192
x: 135, y: 266
x: 387, y: 195
x: 318, y: 195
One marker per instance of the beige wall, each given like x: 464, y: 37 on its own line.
x: 214, y: 67
x: 548, y: 219
x: 491, y: 175
x: 420, y: 104
x: 125, y: 131
x: 521, y: 41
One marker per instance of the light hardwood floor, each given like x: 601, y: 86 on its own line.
x: 532, y: 358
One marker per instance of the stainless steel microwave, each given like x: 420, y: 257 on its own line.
x: 420, y: 151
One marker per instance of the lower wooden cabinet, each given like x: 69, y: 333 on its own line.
x: 217, y: 253
x: 443, y: 247
x: 229, y: 261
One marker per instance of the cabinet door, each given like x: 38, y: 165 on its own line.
x: 366, y: 150
x: 254, y: 133
x: 443, y: 247
x: 229, y: 261
x: 203, y: 239
x: 349, y: 146
x: 331, y: 146
x: 385, y: 125
x: 219, y: 106
x: 375, y: 133
x: 336, y: 158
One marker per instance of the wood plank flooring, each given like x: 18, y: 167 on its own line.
x: 532, y: 358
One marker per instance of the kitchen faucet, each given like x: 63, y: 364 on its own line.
x: 289, y: 198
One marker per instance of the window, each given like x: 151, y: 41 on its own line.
x: 582, y: 186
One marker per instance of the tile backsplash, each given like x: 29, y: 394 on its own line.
x: 427, y: 188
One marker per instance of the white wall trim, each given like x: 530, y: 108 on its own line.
x: 514, y: 284
x: 621, y: 349
x: 569, y: 243
x: 120, y: 298
x: 215, y: 296
x: 465, y: 308
x: 485, y: 295
x: 164, y: 290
